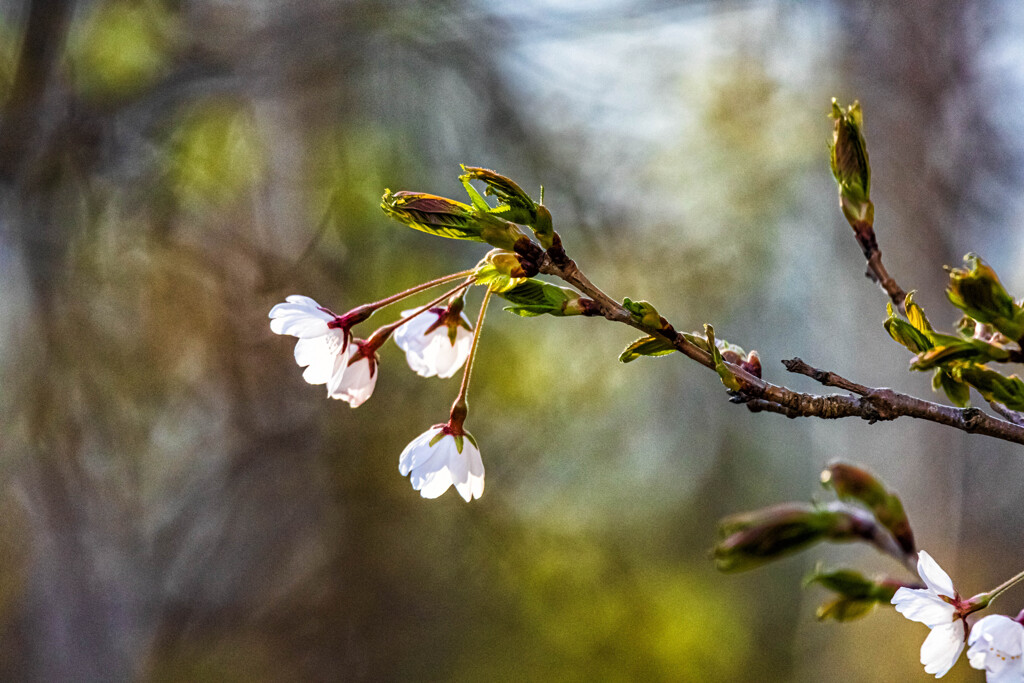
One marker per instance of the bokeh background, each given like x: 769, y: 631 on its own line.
x: 177, y: 504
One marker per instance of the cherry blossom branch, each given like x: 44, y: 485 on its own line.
x: 871, y: 404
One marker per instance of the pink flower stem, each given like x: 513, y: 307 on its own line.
x: 361, y: 313
x: 461, y: 408
x: 381, y: 334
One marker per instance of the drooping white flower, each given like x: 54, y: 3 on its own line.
x: 438, y: 459
x: 436, y: 342
x: 996, y: 644
x: 944, y: 644
x: 322, y: 349
x: 356, y: 382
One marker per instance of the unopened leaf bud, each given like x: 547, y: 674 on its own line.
x: 855, y: 483
x: 448, y: 218
x: 752, y: 364
x: 856, y: 594
x: 849, y: 159
x: 753, y: 538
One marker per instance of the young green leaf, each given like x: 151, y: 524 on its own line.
x: 646, y: 346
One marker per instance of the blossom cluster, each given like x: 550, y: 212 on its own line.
x: 995, y: 642
x: 437, y: 342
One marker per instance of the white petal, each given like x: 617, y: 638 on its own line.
x: 303, y: 300
x: 301, y: 317
x: 459, y: 467
x: 996, y: 643
x: 476, y: 470
x: 411, y: 335
x: 355, y: 384
x: 432, y: 484
x: 322, y: 354
x: 933, y: 576
x: 448, y: 357
x: 922, y: 605
x: 942, y: 648
x: 417, y: 452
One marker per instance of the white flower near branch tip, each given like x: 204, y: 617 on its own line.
x: 930, y: 607
x: 358, y: 380
x: 437, y: 459
x: 996, y: 644
x: 322, y: 349
x: 435, y: 342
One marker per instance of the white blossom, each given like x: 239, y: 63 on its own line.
x: 429, y: 346
x: 944, y: 644
x: 996, y: 644
x: 436, y: 459
x: 321, y: 349
x: 356, y: 383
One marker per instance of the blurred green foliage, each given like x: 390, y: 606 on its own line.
x: 180, y: 505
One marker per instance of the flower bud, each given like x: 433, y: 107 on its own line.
x: 849, y: 158
x: 753, y: 538
x: 978, y: 293
x: 855, y: 483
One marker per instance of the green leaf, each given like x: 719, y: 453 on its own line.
x: 992, y: 385
x: 432, y: 214
x: 845, y: 609
x: 958, y: 393
x: 947, y: 349
x: 915, y: 314
x: 906, y: 333
x: 646, y: 346
x: 724, y: 373
x: 496, y: 280
x: 978, y: 292
x: 528, y: 311
x: 536, y: 297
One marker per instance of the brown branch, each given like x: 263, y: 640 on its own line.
x: 1011, y: 415
x: 865, y: 234
x: 871, y: 404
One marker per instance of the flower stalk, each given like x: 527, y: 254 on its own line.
x: 460, y: 408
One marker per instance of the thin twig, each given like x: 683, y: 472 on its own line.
x: 829, y: 379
